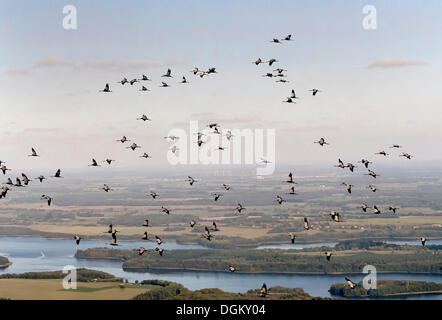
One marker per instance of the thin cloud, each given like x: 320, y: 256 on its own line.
x: 51, y: 61
x: 119, y: 66
x: 42, y: 130
x: 251, y: 120
x: 17, y: 71
x: 209, y: 116
x: 9, y: 123
x: 293, y: 129
x: 394, y: 63
x: 203, y: 116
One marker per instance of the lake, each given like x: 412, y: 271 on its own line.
x: 415, y: 242
x: 39, y: 254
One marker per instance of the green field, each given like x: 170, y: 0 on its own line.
x: 52, y: 289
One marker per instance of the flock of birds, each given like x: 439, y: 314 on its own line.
x: 164, y: 84
x: 208, y: 234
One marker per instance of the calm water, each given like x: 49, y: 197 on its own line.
x: 38, y: 254
x: 416, y: 242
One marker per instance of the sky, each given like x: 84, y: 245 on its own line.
x: 378, y: 87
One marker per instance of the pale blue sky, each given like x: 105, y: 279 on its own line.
x: 59, y: 107
x: 225, y: 31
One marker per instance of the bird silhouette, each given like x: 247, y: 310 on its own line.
x: 292, y: 237
x: 239, y: 207
x: 263, y: 292
x: 4, y: 169
x: 306, y: 224
x: 94, y: 164
x: 328, y: 255
x: 57, y: 174
x: 351, y: 284
x: 106, y: 88
x: 77, y: 239
x: 322, y: 142
x: 165, y: 210
x: 47, y: 198
x: 168, y: 74
x: 33, y: 153
x: 347, y: 186
x: 106, y: 188
x: 314, y: 91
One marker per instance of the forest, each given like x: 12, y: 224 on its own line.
x: 386, y: 288
x: 167, y: 290
x: 347, y: 258
x: 4, y: 262
x: 83, y: 275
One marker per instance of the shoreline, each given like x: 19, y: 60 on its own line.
x: 166, y: 270
x: 255, y: 246
x: 4, y: 266
x: 400, y: 294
